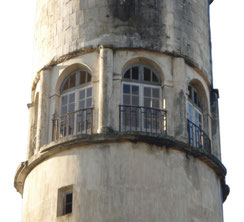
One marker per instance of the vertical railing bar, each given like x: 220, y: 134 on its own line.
x: 130, y: 118
x: 146, y: 120
x: 59, y: 124
x: 91, y: 121
x: 156, y: 121
x: 59, y: 133
x: 76, y: 122
x: 142, y: 120
x: 136, y: 117
x: 119, y: 118
x: 86, y: 122
x: 68, y: 118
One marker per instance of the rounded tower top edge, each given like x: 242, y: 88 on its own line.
x: 177, y: 27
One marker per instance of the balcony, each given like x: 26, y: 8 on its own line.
x: 142, y: 119
x: 131, y: 119
x: 197, y: 137
x: 73, y: 123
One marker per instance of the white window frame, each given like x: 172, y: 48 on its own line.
x: 191, y: 116
x: 141, y: 93
x: 61, y: 200
x: 141, y: 85
x: 76, y: 90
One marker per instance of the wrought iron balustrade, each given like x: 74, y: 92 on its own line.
x: 73, y: 123
x: 142, y: 119
x: 197, y: 137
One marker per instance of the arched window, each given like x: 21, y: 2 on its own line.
x: 76, y: 105
x: 141, y: 107
x: 141, y: 87
x: 195, y: 112
x: 76, y: 92
x: 197, y: 137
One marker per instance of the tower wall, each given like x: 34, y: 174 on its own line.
x: 124, y: 182
x: 123, y: 174
x: 176, y: 27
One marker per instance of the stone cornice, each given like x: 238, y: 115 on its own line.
x: 116, y: 137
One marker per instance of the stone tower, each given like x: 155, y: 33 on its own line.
x: 124, y: 122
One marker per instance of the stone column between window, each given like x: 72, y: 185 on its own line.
x: 105, y: 97
x: 180, y: 89
x: 43, y: 111
x: 30, y: 150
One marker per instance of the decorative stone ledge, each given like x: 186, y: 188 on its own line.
x: 115, y: 137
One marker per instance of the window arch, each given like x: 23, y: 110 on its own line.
x: 75, y: 105
x: 196, y: 118
x: 141, y: 86
x: 141, y: 100
x: 76, y: 92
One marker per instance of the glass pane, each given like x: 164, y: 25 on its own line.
x: 88, y: 102
x: 66, y: 85
x: 154, y: 78
x: 68, y: 209
x: 82, y: 77
x: 71, y: 98
x: 195, y: 97
x: 189, y: 92
x: 64, y: 110
x: 126, y: 100
x: 69, y: 198
x: 135, y: 100
x: 127, y: 74
x: 147, y: 91
x: 147, y: 102
x: 135, y: 90
x: 200, y: 120
x: 82, y: 94
x: 72, y: 81
x: 71, y: 107
x: 64, y: 100
x: 126, y: 89
x: 196, y: 118
x: 155, y: 103
x: 135, y: 73
x: 89, y: 92
x: 155, y: 93
x: 147, y: 74
x: 82, y: 104
x: 190, y: 111
x: 88, y: 77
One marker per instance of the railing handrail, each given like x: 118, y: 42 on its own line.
x: 73, y: 123
x: 205, y: 145
x: 76, y: 111
x: 198, y: 127
x: 138, y: 119
x: 144, y: 107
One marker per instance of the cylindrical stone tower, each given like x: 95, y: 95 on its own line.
x: 124, y: 118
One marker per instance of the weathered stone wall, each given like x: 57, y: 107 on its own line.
x: 124, y: 182
x: 115, y: 180
x: 179, y: 27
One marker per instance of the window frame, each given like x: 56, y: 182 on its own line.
x: 141, y: 74
x: 63, y: 192
x: 142, y: 84
x: 196, y: 126
x: 76, y: 90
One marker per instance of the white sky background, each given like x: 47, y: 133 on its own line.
x: 16, y: 43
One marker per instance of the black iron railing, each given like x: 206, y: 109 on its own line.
x: 73, y: 123
x: 142, y: 119
x: 197, y: 137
